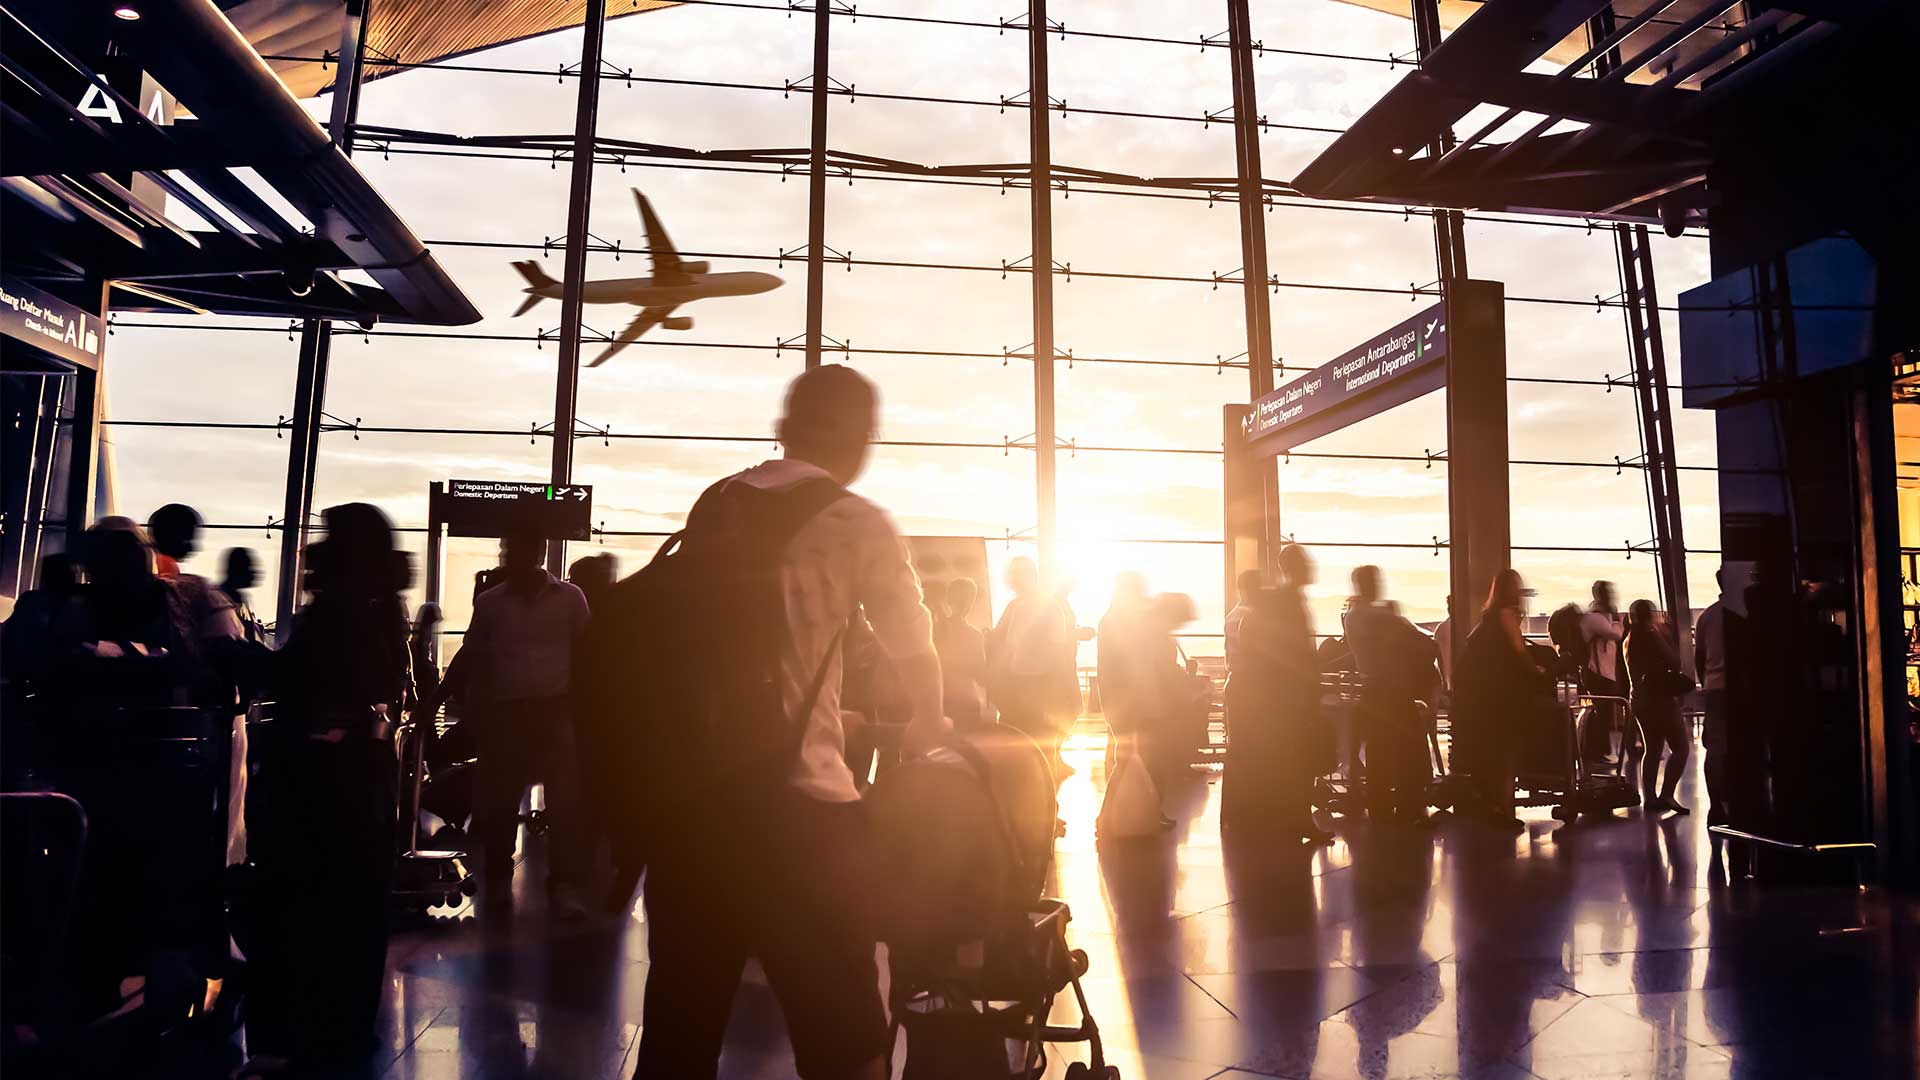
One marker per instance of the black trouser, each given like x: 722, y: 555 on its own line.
x: 1662, y: 727
x: 523, y: 741
x: 787, y: 883
x: 1713, y: 745
x: 1267, y: 789
x: 320, y: 822
x: 1398, y: 768
x: 1596, y: 728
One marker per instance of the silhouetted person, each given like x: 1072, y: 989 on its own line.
x: 1603, y: 675
x: 1245, y: 585
x: 1396, y: 661
x: 207, y: 616
x: 127, y: 641
x: 121, y: 646
x: 422, y: 647
x: 963, y: 654
x: 594, y: 575
x: 779, y: 873
x: 1130, y: 697
x: 1177, y: 724
x: 1723, y: 621
x: 517, y: 668
x: 1496, y: 693
x: 1126, y: 692
x: 26, y: 639
x: 1658, y: 686
x: 323, y: 808
x: 239, y: 576
x: 1031, y: 653
x: 1443, y: 645
x: 1278, y: 741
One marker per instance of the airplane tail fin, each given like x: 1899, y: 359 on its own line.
x: 537, y: 280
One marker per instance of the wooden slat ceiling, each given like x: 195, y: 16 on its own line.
x: 411, y: 31
x: 1455, y: 12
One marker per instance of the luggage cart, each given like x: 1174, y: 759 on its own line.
x: 423, y: 877
x: 1342, y: 791
x: 1553, y: 771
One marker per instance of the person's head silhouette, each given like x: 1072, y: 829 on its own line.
x: 961, y: 595
x: 1248, y: 583
x: 116, y: 555
x: 358, y: 555
x: 829, y: 419
x: 1296, y: 566
x: 1604, y: 598
x: 1366, y: 583
x: 522, y: 550
x: 1023, y: 577
x: 241, y: 573
x: 175, y: 528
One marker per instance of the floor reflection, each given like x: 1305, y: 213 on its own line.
x: 1605, y: 949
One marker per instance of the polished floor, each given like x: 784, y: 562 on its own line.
x: 1611, y: 949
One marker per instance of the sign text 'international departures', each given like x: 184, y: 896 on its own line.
x: 497, y: 507
x: 1388, y: 369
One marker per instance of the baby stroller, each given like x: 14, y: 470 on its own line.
x: 978, y: 956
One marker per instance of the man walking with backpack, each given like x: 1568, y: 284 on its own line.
x: 757, y: 842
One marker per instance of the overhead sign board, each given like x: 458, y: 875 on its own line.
x: 49, y: 323
x: 497, y: 507
x: 1388, y: 369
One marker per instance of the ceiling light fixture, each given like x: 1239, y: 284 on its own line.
x: 127, y: 13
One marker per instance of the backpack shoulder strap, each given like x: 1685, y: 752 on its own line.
x: 793, y: 507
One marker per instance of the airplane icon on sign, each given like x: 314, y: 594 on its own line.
x: 1431, y: 327
x: 578, y: 494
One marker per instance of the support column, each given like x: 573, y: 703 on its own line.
x: 1475, y: 536
x: 1041, y: 178
x: 1655, y: 404
x: 1886, y: 757
x: 316, y: 349
x: 1449, y: 226
x: 83, y: 454
x: 1264, y: 473
x: 817, y: 183
x: 1242, y: 501
x: 1479, y: 508
x: 566, y: 391
x: 436, y: 557
x: 303, y: 448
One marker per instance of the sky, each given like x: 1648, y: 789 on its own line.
x: 702, y: 381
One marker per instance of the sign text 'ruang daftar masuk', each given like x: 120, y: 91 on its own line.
x: 1388, y: 369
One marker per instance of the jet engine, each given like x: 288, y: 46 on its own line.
x: 693, y: 267
x: 678, y: 322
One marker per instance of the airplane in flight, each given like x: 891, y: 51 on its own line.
x: 675, y: 281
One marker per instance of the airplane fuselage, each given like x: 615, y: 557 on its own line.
x: 645, y: 292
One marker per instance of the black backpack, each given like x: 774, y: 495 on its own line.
x: 679, y: 680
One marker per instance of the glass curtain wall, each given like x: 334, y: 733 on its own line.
x: 926, y: 286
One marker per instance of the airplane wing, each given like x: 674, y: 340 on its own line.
x: 666, y: 261
x: 643, y: 322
